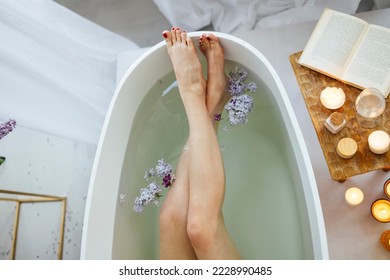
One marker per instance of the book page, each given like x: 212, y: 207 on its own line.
x: 332, y: 42
x: 370, y: 65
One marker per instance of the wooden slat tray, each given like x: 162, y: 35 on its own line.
x: 311, y: 84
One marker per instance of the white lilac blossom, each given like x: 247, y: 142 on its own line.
x: 241, y: 103
x: 6, y: 128
x: 152, y: 193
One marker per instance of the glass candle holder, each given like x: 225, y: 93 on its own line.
x: 386, y: 188
x: 380, y: 210
x: 385, y: 239
x: 332, y: 97
x: 369, y: 106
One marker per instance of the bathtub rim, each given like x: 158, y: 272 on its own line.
x: 319, y: 240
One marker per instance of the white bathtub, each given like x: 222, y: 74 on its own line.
x: 272, y: 207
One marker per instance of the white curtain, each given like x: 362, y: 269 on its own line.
x: 241, y: 15
x: 57, y: 69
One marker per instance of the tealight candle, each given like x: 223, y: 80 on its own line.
x: 380, y: 210
x: 332, y: 97
x: 378, y: 142
x: 346, y: 147
x: 385, y: 239
x: 354, y: 196
x: 386, y: 188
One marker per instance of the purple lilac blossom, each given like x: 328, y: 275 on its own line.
x: 163, y: 168
x: 240, y: 104
x: 167, y: 180
x: 6, y: 128
x: 152, y: 193
x: 148, y: 195
x: 217, y: 117
x: 239, y: 108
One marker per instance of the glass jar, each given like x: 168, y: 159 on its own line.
x: 369, y: 106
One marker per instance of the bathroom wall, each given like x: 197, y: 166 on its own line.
x: 44, y: 164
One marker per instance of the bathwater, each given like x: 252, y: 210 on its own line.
x: 263, y: 204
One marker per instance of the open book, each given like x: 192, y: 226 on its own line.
x: 349, y: 49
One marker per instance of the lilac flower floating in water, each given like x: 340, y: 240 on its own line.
x: 163, y: 168
x: 217, y: 117
x: 6, y: 128
x: 152, y: 193
x: 122, y: 197
x: 148, y: 195
x: 238, y: 108
x: 241, y: 104
x: 150, y: 173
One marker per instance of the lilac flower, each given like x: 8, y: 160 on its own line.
x: 138, y: 205
x: 148, y: 195
x: 167, y: 180
x: 152, y: 193
x: 238, y: 75
x: 154, y: 188
x: 149, y: 173
x: 122, y: 197
x: 252, y: 87
x: 239, y: 108
x: 163, y: 168
x: 217, y: 117
x: 6, y: 128
x: 236, y: 87
x: 240, y: 104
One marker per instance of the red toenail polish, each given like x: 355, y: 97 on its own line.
x: 165, y: 35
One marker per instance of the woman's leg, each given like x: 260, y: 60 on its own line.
x: 206, y: 227
x: 174, y: 241
x: 217, y: 82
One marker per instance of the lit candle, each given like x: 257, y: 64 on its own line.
x: 354, y: 196
x: 378, y: 142
x: 386, y: 188
x: 385, y: 239
x: 332, y: 97
x: 380, y: 209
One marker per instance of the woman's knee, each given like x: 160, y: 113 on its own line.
x: 171, y: 217
x: 201, y: 232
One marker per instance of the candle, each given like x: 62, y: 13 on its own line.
x: 378, y: 142
x: 380, y: 209
x: 385, y: 239
x: 332, y: 97
x: 386, y: 188
x: 354, y: 196
x: 346, y: 148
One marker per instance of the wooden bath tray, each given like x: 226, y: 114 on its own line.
x: 311, y: 84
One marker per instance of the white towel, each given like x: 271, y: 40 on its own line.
x: 238, y: 15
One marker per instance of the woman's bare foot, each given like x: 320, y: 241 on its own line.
x: 186, y: 65
x: 217, y: 94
